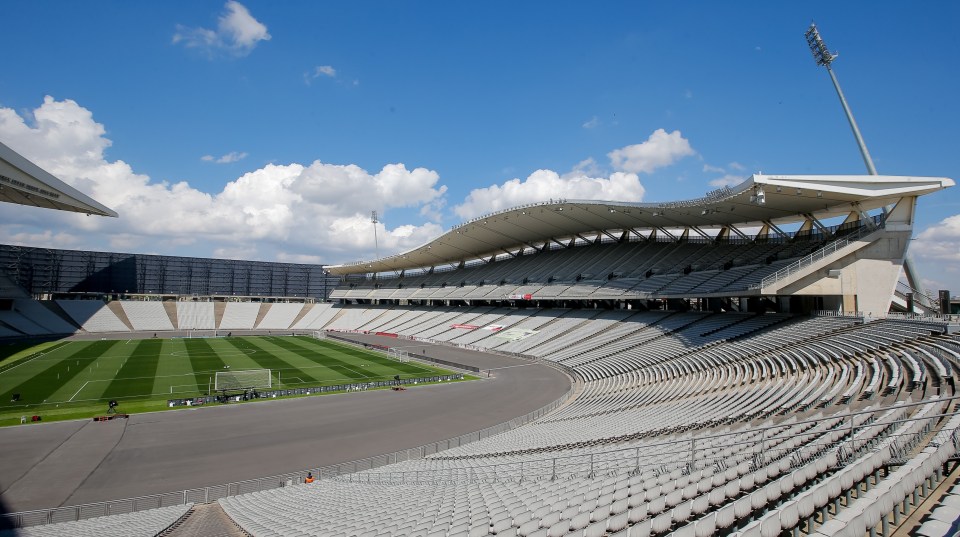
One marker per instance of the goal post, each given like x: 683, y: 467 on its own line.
x: 398, y: 354
x: 239, y: 380
x: 319, y: 334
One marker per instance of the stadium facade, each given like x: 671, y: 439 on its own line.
x: 48, y: 273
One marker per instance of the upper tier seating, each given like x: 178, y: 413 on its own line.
x: 692, y: 267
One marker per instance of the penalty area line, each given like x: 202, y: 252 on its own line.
x: 78, y: 391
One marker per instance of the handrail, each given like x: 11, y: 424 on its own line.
x: 815, y: 256
x: 922, y: 298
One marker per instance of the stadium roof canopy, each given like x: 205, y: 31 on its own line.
x: 759, y: 200
x: 25, y: 183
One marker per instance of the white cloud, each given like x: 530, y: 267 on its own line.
x: 661, y: 149
x: 229, y: 158
x: 587, y: 167
x: 543, y: 185
x: 61, y: 239
x: 237, y: 33
x: 940, y: 242
x: 321, y: 70
x: 726, y: 180
x: 316, y: 209
x: 712, y: 169
x: 592, y: 123
x: 736, y: 166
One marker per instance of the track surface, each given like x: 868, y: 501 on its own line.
x: 70, y: 463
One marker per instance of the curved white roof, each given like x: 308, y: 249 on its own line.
x: 24, y: 183
x: 777, y: 199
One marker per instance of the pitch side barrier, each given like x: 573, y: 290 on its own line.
x: 251, y: 394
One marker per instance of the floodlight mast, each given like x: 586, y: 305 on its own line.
x: 824, y: 57
x: 376, y: 247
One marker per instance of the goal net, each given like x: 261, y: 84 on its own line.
x: 238, y: 380
x: 399, y: 355
x: 319, y: 334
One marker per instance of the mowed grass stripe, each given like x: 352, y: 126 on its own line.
x: 96, y: 376
x: 41, y: 386
x: 268, y: 360
x: 15, y: 354
x: 175, y: 370
x: 353, y: 370
x: 290, y: 361
x: 328, y: 347
x: 205, y: 362
x: 135, y: 378
x: 33, y: 365
x: 234, y: 357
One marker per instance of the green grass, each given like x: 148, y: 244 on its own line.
x: 75, y: 379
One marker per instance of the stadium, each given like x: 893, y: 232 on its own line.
x: 756, y: 361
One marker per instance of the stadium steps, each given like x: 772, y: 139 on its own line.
x: 264, y: 308
x: 303, y: 313
x: 171, y: 308
x: 117, y: 309
x: 218, y: 309
x: 208, y: 520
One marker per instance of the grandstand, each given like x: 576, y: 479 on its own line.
x: 746, y: 363
x: 704, y: 401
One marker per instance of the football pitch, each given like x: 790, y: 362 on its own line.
x: 72, y: 379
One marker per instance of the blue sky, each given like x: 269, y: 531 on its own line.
x: 270, y: 130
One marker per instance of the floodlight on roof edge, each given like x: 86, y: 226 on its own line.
x: 824, y: 57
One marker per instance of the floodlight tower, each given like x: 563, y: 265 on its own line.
x: 824, y: 57
x: 376, y: 247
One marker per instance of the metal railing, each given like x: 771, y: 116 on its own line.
x: 215, y: 492
x: 919, y: 297
x: 809, y: 260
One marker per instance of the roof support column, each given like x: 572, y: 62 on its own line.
x: 770, y: 225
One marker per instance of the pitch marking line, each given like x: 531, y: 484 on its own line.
x: 360, y: 372
x: 78, y: 391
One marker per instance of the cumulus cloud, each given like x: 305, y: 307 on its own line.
x: 237, y: 33
x: 543, y: 185
x: 229, y: 158
x: 316, y: 209
x: 659, y: 150
x: 940, y: 242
